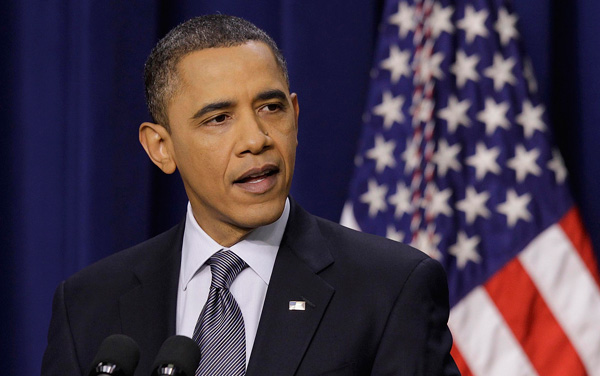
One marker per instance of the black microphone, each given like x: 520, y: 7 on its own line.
x: 118, y: 355
x: 178, y: 356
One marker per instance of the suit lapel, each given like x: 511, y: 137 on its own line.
x: 145, y: 308
x: 284, y: 335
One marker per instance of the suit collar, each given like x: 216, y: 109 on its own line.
x: 284, y: 335
x: 303, y: 237
x: 154, y: 299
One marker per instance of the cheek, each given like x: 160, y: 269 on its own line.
x: 201, y: 162
x: 288, y: 133
x: 210, y: 165
x: 288, y: 144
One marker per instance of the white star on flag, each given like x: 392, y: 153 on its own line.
x: 401, y: 200
x: 494, y: 116
x: 557, y: 165
x: 405, y: 19
x: 375, y: 198
x: 445, y: 157
x: 397, y: 63
x: 465, y: 68
x: 501, y: 71
x: 531, y: 118
x: 382, y: 153
x: 506, y: 26
x: 484, y: 160
x: 455, y: 113
x: 529, y: 76
x: 474, y: 204
x: 473, y: 23
x: 427, y: 244
x: 515, y: 207
x: 423, y: 111
x: 390, y: 109
x: 465, y: 249
x: 430, y: 67
x: 524, y: 163
x: 440, y: 20
x: 393, y: 234
x: 410, y: 156
x: 438, y: 203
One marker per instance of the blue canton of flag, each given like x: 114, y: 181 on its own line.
x: 456, y: 158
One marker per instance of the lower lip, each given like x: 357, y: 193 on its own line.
x: 262, y: 185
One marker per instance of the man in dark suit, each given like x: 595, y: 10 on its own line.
x: 316, y: 298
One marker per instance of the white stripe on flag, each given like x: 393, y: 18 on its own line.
x: 569, y: 290
x: 484, y: 340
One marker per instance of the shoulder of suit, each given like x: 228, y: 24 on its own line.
x: 346, y: 242
x: 118, y: 268
x: 338, y: 233
x: 363, y: 261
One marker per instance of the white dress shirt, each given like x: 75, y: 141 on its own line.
x: 249, y: 288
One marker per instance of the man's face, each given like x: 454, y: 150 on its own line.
x: 233, y: 138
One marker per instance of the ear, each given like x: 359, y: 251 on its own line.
x: 294, y: 98
x: 156, y: 140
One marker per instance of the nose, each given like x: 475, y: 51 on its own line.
x: 253, y: 136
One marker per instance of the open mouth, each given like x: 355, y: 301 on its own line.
x: 257, y: 176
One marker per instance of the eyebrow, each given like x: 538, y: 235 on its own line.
x: 271, y: 94
x: 212, y: 107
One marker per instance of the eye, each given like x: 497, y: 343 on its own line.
x: 217, y: 120
x: 272, y: 107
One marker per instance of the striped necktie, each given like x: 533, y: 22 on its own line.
x: 220, y: 328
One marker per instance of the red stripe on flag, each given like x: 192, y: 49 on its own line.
x: 573, y: 227
x: 460, y: 361
x: 532, y: 322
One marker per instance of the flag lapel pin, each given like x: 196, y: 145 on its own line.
x: 297, y: 305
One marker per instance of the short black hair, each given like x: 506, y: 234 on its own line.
x: 210, y: 31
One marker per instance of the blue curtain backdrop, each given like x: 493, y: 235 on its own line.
x: 76, y: 186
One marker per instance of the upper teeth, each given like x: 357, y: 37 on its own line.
x: 257, y: 174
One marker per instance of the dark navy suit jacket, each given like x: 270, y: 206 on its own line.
x: 374, y: 306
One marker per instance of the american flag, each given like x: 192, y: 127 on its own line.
x: 456, y: 157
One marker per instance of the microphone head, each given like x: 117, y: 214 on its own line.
x: 180, y: 352
x: 118, y: 350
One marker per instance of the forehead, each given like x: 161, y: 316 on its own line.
x: 245, y: 66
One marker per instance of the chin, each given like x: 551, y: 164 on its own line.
x: 263, y: 214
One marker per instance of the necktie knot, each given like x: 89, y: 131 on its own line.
x: 225, y: 266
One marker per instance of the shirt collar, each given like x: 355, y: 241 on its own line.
x: 258, y: 249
